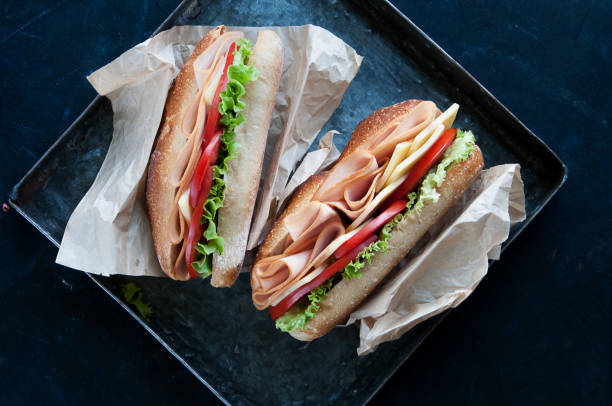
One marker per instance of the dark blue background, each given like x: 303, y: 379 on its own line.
x: 538, y: 328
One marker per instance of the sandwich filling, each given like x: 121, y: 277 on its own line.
x: 209, y: 124
x: 394, y: 175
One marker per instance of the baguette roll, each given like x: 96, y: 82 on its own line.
x: 178, y: 150
x: 376, y: 136
x: 161, y: 192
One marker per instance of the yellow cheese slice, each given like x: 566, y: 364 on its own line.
x: 419, y: 145
x: 399, y: 153
x: 405, y: 166
x: 446, y: 119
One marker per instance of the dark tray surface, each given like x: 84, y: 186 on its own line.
x: 45, y: 186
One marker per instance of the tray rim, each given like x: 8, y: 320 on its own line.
x: 387, y: 6
x: 504, y: 109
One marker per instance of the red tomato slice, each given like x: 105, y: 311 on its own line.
x: 195, y: 228
x: 202, y: 179
x: 208, y: 158
x: 429, y: 159
x: 371, y: 228
x: 284, y: 305
x: 212, y: 120
x: 211, y: 130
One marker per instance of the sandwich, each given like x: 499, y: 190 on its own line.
x: 344, y: 230
x: 205, y: 169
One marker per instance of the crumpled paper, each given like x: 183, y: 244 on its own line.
x: 109, y: 231
x: 448, y: 262
x: 314, y: 162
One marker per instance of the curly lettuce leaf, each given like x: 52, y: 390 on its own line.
x: 133, y: 295
x: 230, y: 106
x: 459, y: 151
x: 307, y: 308
x: 295, y: 318
x: 353, y: 269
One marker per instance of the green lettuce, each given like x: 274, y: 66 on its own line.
x: 230, y: 107
x: 307, y: 308
x: 461, y: 148
x: 133, y: 295
x: 353, y: 269
x: 297, y: 317
x: 459, y: 151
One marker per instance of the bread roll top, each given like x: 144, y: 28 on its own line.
x: 243, y: 173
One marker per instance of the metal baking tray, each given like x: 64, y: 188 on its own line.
x: 217, y: 333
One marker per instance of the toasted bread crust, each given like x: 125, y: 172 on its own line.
x: 170, y: 140
x: 243, y: 174
x: 348, y: 294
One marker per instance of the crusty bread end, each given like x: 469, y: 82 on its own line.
x: 243, y: 174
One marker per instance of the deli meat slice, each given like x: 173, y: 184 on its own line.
x: 312, y: 230
x: 403, y: 129
x: 307, y: 223
x: 205, y: 65
x: 351, y: 184
x: 271, y: 274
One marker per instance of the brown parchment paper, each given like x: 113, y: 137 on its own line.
x: 449, y: 262
x: 109, y: 231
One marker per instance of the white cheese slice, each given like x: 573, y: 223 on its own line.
x: 183, y: 204
x: 403, y: 151
x: 209, y: 92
